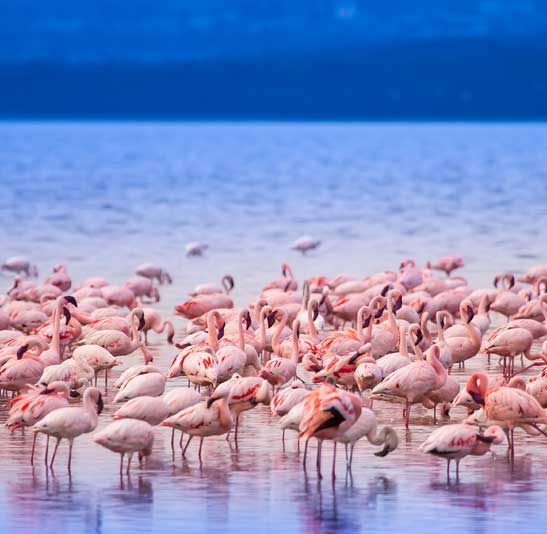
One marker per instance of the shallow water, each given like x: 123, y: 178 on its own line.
x: 105, y: 197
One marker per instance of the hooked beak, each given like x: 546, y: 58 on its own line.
x: 71, y: 300
x: 419, y: 337
x: 248, y: 321
x: 221, y: 331
x: 141, y: 322
x: 271, y: 319
x: 21, y: 350
x: 100, y: 404
x: 67, y: 315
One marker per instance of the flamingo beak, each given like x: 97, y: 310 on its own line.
x: 141, y: 322
x: 100, y: 404
x: 71, y: 300
x: 67, y: 315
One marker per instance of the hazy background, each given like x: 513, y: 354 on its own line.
x: 284, y: 59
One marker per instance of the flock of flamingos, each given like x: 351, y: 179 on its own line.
x: 324, y: 357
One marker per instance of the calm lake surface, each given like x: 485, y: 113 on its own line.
x: 103, y: 198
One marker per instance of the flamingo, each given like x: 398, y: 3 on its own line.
x: 454, y: 442
x: 285, y: 282
x: 366, y: 425
x: 395, y: 360
x: 305, y: 243
x: 195, y: 248
x: 127, y: 436
x: 75, y: 371
x: 116, y: 342
x: 227, y: 283
x: 204, y: 419
x: 98, y: 358
x: 71, y: 422
x: 448, y: 264
x: 281, y: 370
x: 20, y: 265
x: 508, y: 406
x: 201, y: 304
x: 243, y: 393
x: 464, y: 347
x: 152, y: 321
x: 510, y: 343
x: 141, y: 286
x: 133, y: 371
x: 154, y: 272
x: 25, y: 369
x: 149, y: 384
x: 29, y: 407
x: 153, y: 410
x: 179, y: 399
x: 414, y: 381
x: 328, y: 413
x: 532, y: 274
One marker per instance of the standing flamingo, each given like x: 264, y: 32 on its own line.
x: 127, y: 436
x: 454, y: 442
x: 414, y: 381
x: 208, y: 418
x: 71, y: 422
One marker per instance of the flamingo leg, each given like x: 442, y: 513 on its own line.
x: 448, y: 470
x: 200, y: 447
x: 187, y: 443
x: 33, y: 447
x: 283, y: 439
x: 105, y: 380
x: 333, y: 473
x: 457, y: 469
x: 237, y: 426
x: 130, y: 457
x: 47, y: 450
x: 407, y: 414
x: 55, y: 452
x: 70, y: 443
x: 305, y: 454
x: 351, y: 455
x: 347, y: 457
x: 173, y: 439
x: 121, y: 462
x: 180, y: 440
x: 318, y: 460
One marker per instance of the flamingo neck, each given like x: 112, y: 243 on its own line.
x: 311, y: 325
x: 56, y: 335
x: 277, y: 334
x: 212, y: 330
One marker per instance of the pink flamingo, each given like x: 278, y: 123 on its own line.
x: 127, y: 436
x: 20, y: 265
x: 204, y: 419
x: 286, y: 282
x: 197, y: 306
x: 141, y: 286
x: 282, y: 370
x: 119, y: 296
x: 59, y: 278
x: 152, y: 321
x: 29, y: 407
x: 116, y: 342
x: 448, y: 263
x: 149, y: 384
x: 71, y: 422
x: 366, y: 425
x: 532, y: 274
x: 328, y: 413
x: 154, y: 272
x: 454, y: 442
x: 414, y: 381
x: 463, y: 347
x: 179, y: 399
x: 507, y: 405
x: 509, y: 344
x: 98, y: 358
x: 25, y: 369
x: 153, y: 410
x: 227, y: 283
x: 507, y: 302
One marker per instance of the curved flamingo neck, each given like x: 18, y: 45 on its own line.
x: 483, y: 305
x: 80, y: 316
x: 242, y: 316
x: 295, y: 356
x: 135, y: 341
x: 439, y: 369
x: 212, y: 329
x: 440, y: 329
x: 425, y: 330
x: 277, y: 334
x: 311, y: 325
x: 56, y: 335
x: 403, y: 341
